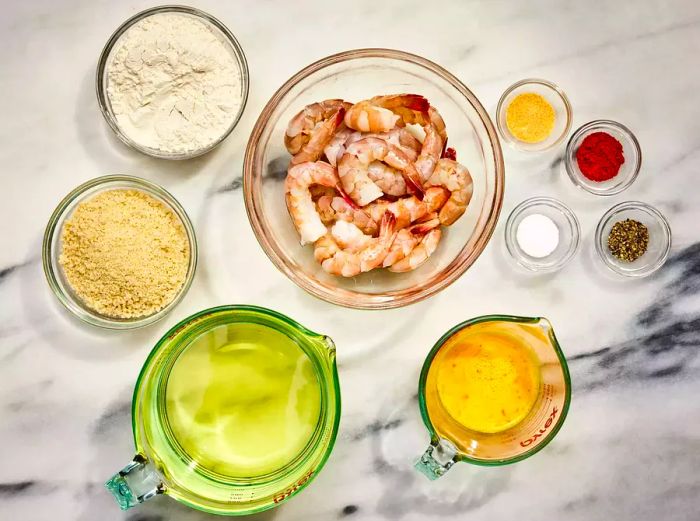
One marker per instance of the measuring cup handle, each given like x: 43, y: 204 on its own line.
x: 135, y: 483
x: 437, y: 459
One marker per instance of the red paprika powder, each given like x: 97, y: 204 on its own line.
x: 600, y: 156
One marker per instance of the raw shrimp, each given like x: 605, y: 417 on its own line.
x: 403, y: 244
x: 434, y: 142
x: 420, y: 253
x: 382, y: 113
x: 321, y: 135
x: 303, y: 124
x: 335, y: 148
x: 299, y: 200
x: 435, y: 198
x: 425, y: 118
x: 430, y: 152
x: 334, y: 208
x: 359, y: 253
x: 454, y: 177
x: 408, y: 238
x: 388, y: 179
x: 344, y: 137
x: 318, y: 191
x: 406, y: 210
x: 353, y: 166
x: 400, y: 138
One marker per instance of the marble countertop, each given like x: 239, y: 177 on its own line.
x: 630, y: 448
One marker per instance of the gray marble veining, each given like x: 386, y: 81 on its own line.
x: 630, y: 448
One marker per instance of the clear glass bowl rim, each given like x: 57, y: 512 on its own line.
x: 565, y: 210
x: 610, y: 214
x: 572, y: 171
x: 100, y: 87
x: 347, y: 298
x: 50, y: 264
x: 505, y: 134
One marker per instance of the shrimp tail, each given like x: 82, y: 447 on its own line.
x: 414, y: 187
x: 449, y: 153
x: 339, y: 117
x: 425, y: 224
x: 417, y: 102
x: 347, y: 198
x: 388, y: 224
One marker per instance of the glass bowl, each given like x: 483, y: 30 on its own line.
x: 556, y: 98
x: 629, y: 169
x: 356, y: 75
x: 52, y: 247
x: 659, y: 238
x: 101, y: 83
x: 563, y: 218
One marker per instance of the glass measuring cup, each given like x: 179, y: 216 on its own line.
x: 452, y: 441
x: 170, y: 459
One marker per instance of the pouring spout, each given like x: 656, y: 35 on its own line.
x: 135, y: 483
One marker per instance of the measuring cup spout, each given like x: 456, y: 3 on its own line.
x: 437, y: 459
x: 135, y: 483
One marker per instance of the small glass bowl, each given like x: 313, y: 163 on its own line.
x: 556, y: 98
x: 52, y: 247
x: 566, y: 222
x: 659, y: 238
x: 105, y: 56
x: 629, y: 169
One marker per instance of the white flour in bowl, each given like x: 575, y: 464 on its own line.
x: 173, y: 83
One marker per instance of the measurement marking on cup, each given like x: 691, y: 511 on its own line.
x: 539, y: 434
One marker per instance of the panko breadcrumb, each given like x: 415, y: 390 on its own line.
x: 124, y: 253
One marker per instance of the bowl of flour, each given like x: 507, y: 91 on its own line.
x: 172, y: 82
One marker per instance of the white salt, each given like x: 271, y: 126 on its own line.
x: 537, y: 235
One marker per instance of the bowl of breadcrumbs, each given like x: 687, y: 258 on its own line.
x: 119, y: 252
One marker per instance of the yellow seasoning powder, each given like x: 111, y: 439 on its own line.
x: 530, y: 118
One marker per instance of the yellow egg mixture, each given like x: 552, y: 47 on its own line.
x: 487, y: 382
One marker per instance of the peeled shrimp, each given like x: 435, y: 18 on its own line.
x: 388, y: 179
x: 408, y: 238
x: 303, y: 124
x: 382, y: 113
x: 320, y: 137
x: 358, y: 253
x: 420, y: 253
x: 405, y: 210
x: 400, y: 138
x: 300, y: 203
x: 454, y: 177
x: 430, y: 152
x: 409, y: 210
x: 403, y: 245
x: 335, y: 148
x: 353, y: 169
x: 334, y: 208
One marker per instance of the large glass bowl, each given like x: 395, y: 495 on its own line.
x: 353, y: 76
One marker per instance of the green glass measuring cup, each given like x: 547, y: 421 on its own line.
x: 236, y: 410
x: 504, y: 351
